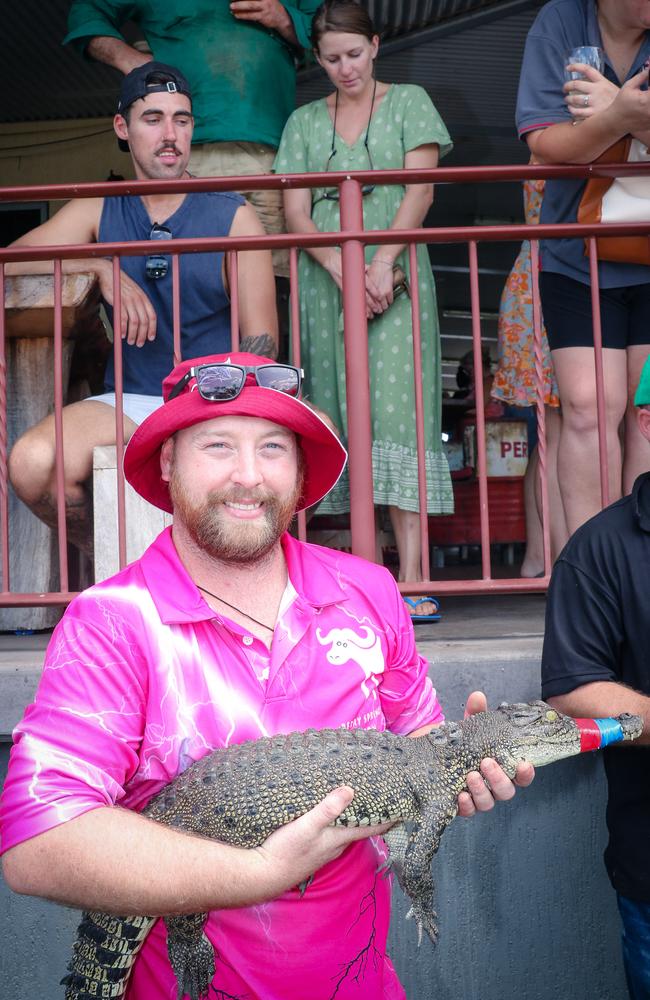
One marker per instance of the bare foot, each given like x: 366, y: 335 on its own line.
x: 423, y: 607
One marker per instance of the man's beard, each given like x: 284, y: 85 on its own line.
x: 228, y: 539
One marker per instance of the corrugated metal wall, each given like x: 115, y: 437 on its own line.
x: 46, y: 81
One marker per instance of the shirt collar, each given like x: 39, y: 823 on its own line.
x: 178, y: 599
x: 641, y: 501
x: 316, y: 581
x: 594, y: 37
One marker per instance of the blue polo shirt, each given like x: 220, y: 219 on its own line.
x: 560, y: 26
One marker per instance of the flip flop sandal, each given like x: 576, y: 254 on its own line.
x: 414, y: 605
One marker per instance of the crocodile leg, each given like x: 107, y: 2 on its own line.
x: 416, y: 878
x: 397, y: 839
x: 191, y: 954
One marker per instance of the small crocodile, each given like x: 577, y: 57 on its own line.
x: 241, y: 794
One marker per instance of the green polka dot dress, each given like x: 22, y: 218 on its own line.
x: 405, y: 119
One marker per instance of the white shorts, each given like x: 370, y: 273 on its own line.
x: 134, y: 406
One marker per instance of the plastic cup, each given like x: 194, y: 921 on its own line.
x: 591, y: 55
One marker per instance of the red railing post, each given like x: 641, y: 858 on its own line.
x: 4, y: 440
x: 540, y: 405
x: 419, y: 409
x: 294, y: 306
x: 357, y: 378
x: 598, y: 364
x: 480, y: 412
x: 233, y: 271
x: 58, y: 427
x: 176, y: 308
x: 119, y: 412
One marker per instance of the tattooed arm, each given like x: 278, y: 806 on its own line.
x: 261, y: 344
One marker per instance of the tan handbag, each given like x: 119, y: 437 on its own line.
x: 619, y: 199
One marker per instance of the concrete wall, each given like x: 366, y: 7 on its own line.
x: 525, y: 910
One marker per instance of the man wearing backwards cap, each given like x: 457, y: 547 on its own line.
x: 154, y: 120
x: 595, y: 657
x: 227, y: 629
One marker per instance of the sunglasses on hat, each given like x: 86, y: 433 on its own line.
x: 221, y: 382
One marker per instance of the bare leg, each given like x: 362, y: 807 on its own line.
x: 557, y: 519
x: 533, y: 561
x: 578, y: 455
x: 32, y: 465
x: 406, y: 525
x: 636, y: 449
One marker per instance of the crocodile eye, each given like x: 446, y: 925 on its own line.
x: 551, y: 716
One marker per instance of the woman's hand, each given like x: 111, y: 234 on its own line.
x: 587, y: 97
x: 333, y: 266
x: 379, y: 286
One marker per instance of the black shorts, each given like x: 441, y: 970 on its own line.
x: 566, y: 308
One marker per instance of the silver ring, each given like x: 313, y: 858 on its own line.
x: 585, y: 101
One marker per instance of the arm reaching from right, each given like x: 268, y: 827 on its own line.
x: 600, y: 93
x: 117, y: 861
x: 602, y: 699
x: 627, y: 114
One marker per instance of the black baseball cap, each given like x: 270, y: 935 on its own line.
x: 150, y: 78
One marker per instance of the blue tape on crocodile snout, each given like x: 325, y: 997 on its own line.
x: 611, y: 731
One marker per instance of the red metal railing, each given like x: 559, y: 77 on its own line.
x: 352, y: 238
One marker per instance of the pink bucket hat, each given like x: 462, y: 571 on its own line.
x: 323, y: 453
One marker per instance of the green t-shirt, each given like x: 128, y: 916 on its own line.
x: 242, y: 75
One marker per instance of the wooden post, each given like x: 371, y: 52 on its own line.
x: 29, y: 312
x: 143, y: 521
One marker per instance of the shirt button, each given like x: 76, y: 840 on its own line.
x: 248, y: 640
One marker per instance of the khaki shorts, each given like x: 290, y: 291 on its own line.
x: 230, y: 159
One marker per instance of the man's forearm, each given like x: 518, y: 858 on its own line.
x: 571, y: 143
x: 117, y: 861
x: 603, y: 699
x: 116, y: 53
x: 89, y: 265
x: 286, y: 29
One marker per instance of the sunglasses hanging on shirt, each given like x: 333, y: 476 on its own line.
x: 156, y: 266
x: 334, y: 194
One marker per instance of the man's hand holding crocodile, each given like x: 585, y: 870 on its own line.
x: 491, y: 784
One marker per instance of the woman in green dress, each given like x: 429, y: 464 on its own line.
x: 365, y: 124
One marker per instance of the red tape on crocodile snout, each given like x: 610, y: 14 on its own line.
x: 590, y: 734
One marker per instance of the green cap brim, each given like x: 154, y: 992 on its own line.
x: 642, y: 395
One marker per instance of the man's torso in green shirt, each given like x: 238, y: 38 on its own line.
x: 242, y: 75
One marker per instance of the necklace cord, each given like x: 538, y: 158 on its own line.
x: 336, y: 111
x: 270, y: 628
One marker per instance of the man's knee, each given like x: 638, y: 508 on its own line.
x: 31, y: 465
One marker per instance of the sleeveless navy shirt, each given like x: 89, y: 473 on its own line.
x: 204, y: 304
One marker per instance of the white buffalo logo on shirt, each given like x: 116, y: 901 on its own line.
x: 365, y: 650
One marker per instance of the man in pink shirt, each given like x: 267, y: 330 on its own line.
x: 227, y: 629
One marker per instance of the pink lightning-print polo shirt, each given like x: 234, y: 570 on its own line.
x: 142, y: 678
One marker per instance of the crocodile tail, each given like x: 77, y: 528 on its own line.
x: 103, y: 954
